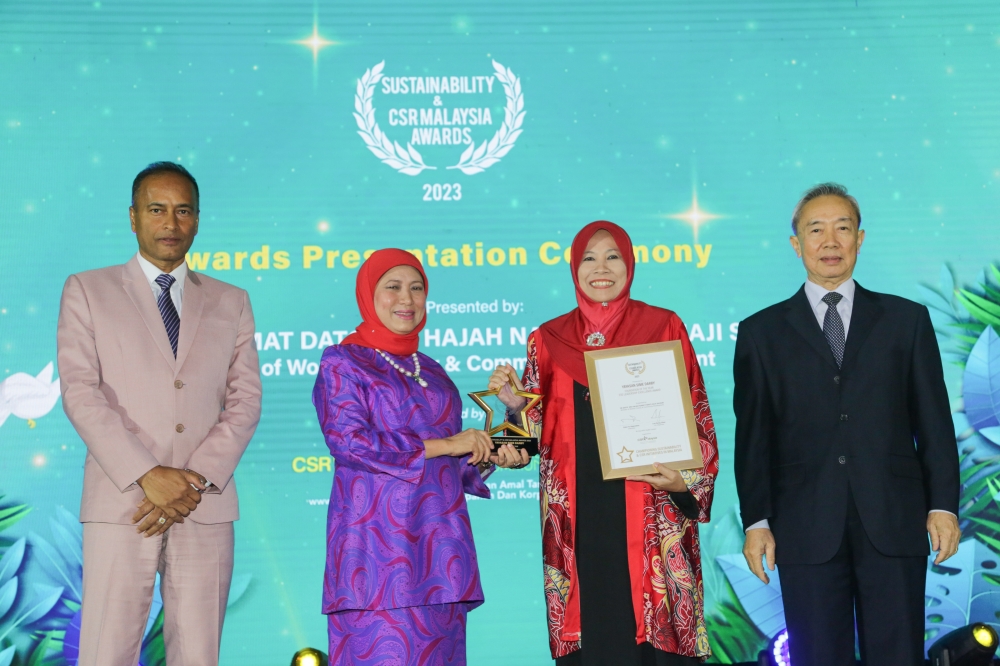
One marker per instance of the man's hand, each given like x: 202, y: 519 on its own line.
x: 759, y: 544
x: 173, y: 491
x: 152, y: 526
x: 945, y: 534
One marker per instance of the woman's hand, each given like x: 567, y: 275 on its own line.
x: 510, y: 457
x: 665, y: 479
x: 473, y: 441
x: 500, y: 380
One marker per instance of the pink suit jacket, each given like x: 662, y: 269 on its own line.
x: 136, y: 407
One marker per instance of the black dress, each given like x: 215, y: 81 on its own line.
x: 607, y: 619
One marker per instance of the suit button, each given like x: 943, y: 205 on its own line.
x: 178, y: 384
x: 836, y: 380
x: 179, y: 427
x: 842, y: 460
x: 843, y: 417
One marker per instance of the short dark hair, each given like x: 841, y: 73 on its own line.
x: 162, y: 167
x: 823, y: 190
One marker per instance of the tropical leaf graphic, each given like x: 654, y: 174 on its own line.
x: 732, y: 634
x: 154, y: 651
x: 37, y: 606
x: 45, y: 598
x: 961, y: 315
x: 981, y: 383
x: 13, y: 615
x: 40, y: 654
x: 34, y: 616
x: 11, y: 562
x: 761, y: 602
x: 54, y: 562
x: 964, y: 589
x: 238, y: 588
x: 71, y: 640
x: 723, y: 536
x: 9, y: 515
x: 982, y: 308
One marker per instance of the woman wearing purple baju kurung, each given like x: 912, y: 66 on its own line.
x: 401, y: 568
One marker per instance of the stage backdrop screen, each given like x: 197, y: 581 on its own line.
x: 481, y: 136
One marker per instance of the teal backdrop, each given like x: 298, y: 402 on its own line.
x: 482, y: 135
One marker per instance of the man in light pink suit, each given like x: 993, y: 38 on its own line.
x: 160, y: 378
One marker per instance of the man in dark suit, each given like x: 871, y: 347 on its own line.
x: 845, y: 450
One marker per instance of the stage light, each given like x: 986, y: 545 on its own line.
x: 972, y: 645
x: 984, y: 635
x: 309, y: 657
x: 776, y: 653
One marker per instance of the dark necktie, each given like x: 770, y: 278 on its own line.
x: 171, y: 320
x: 833, y: 326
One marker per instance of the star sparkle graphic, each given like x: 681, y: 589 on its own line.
x: 695, y: 215
x: 316, y: 42
x: 625, y: 454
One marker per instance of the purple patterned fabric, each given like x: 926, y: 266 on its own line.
x: 398, y: 531
x: 417, y: 636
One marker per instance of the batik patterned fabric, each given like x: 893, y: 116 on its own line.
x: 398, y: 531
x: 663, y: 545
x: 417, y: 636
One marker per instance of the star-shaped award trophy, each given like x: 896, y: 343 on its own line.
x: 518, y: 436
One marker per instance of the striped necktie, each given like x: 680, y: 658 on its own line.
x: 833, y: 327
x: 171, y: 320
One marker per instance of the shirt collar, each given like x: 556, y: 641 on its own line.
x: 815, y: 292
x: 152, y: 272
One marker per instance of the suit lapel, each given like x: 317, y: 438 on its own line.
x: 865, y: 312
x: 138, y: 290
x: 803, y: 320
x: 194, y: 303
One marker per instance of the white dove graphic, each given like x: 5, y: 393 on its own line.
x: 28, y: 397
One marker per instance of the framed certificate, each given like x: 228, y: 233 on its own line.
x: 642, y: 409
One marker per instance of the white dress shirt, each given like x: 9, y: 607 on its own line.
x: 815, y: 294
x: 176, y: 289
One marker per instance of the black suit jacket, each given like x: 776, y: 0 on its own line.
x: 808, y: 433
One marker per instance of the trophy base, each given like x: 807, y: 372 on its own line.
x: 529, y: 444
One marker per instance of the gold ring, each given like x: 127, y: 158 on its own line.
x: 162, y: 520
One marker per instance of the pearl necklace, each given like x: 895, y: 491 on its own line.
x: 415, y: 375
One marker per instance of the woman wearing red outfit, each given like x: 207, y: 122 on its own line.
x: 622, y: 561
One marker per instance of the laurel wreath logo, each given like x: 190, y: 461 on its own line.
x: 408, y: 160
x: 405, y: 160
x: 476, y: 160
